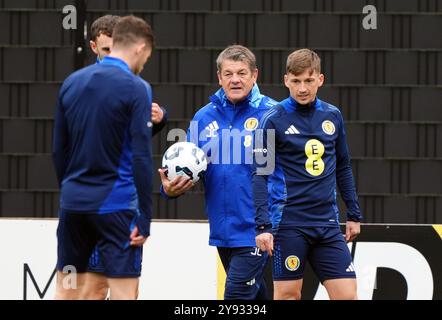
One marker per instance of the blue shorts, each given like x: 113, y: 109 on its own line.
x: 324, y: 247
x: 245, y: 273
x: 79, y: 233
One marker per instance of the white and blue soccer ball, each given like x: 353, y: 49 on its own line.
x: 184, y: 159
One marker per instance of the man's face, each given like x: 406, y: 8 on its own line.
x: 143, y: 52
x: 304, y: 87
x: 102, y: 46
x: 237, y: 79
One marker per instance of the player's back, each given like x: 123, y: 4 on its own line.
x: 96, y: 104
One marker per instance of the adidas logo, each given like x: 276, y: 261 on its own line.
x: 212, y: 128
x: 292, y: 130
x: 351, y: 268
x: 251, y: 282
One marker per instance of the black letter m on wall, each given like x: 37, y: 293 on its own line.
x: 27, y: 271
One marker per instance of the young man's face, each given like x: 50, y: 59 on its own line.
x: 102, y: 46
x: 237, y: 79
x: 304, y: 87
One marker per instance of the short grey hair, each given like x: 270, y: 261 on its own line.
x: 237, y: 53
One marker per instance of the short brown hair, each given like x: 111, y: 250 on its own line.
x: 104, y: 25
x: 301, y: 60
x: 237, y: 53
x: 131, y: 29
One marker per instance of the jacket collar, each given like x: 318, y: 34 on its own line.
x: 116, y: 62
x: 311, y: 106
x: 253, y: 99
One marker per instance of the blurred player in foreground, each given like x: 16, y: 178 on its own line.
x: 103, y: 158
x: 96, y: 286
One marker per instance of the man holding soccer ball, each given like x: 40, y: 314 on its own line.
x: 224, y: 129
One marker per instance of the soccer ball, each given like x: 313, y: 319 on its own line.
x: 184, y: 159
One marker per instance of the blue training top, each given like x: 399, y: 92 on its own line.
x: 226, y: 133
x: 311, y: 150
x: 102, y: 142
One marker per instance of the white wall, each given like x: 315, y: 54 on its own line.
x: 178, y: 263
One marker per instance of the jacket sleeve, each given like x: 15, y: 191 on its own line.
x: 264, y: 150
x: 141, y: 139
x: 157, y: 127
x: 344, y: 175
x: 60, y: 141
